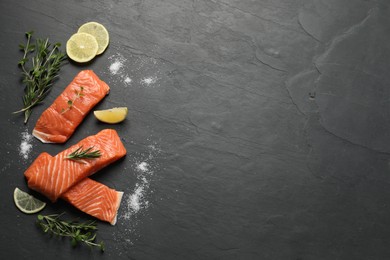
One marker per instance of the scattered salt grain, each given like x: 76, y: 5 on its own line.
x: 149, y: 80
x: 137, y: 199
x: 127, y: 80
x: 154, y: 149
x: 116, y: 66
x: 134, y: 199
x: 143, y: 166
x: 25, y: 146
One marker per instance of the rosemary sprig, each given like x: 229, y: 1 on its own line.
x: 40, y: 75
x: 78, y: 232
x: 80, y: 154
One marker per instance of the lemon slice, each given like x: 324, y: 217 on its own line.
x: 27, y: 203
x: 98, y: 31
x: 111, y: 116
x: 81, y: 47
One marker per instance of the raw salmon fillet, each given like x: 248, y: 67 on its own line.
x: 56, y: 175
x: 95, y: 199
x: 88, y: 195
x: 58, y: 122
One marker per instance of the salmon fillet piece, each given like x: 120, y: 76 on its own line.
x: 56, y: 175
x: 95, y: 199
x: 58, y: 122
x: 88, y: 195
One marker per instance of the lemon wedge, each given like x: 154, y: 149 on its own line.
x: 98, y: 31
x: 82, y: 47
x: 27, y: 203
x: 111, y: 116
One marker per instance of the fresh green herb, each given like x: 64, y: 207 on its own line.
x: 70, y: 103
x: 78, y: 232
x: 80, y: 154
x: 40, y: 75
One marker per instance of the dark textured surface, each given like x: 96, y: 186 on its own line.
x: 265, y: 126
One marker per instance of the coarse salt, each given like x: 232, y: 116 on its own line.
x: 149, y: 80
x: 25, y: 146
x: 134, y: 199
x: 127, y: 80
x: 143, y: 166
x: 137, y: 199
x: 115, y: 67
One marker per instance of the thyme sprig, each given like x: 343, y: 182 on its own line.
x: 43, y: 69
x: 70, y: 102
x: 78, y: 232
x: 80, y: 154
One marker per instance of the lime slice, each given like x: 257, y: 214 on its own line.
x: 111, y: 116
x: 27, y: 203
x: 99, y: 32
x: 81, y: 47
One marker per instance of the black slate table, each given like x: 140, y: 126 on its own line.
x: 256, y: 129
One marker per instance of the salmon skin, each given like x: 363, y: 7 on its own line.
x: 56, y: 175
x: 58, y: 122
x: 88, y: 195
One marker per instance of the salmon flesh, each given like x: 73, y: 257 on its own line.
x: 59, y: 121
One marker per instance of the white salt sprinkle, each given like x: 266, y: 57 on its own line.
x: 134, y: 199
x: 149, y: 80
x: 143, y: 166
x: 25, y: 146
x: 116, y: 66
x: 127, y: 80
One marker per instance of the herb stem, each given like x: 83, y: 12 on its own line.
x: 78, y: 232
x: 80, y: 154
x: 29, y: 34
x: 78, y: 94
x: 38, y: 79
